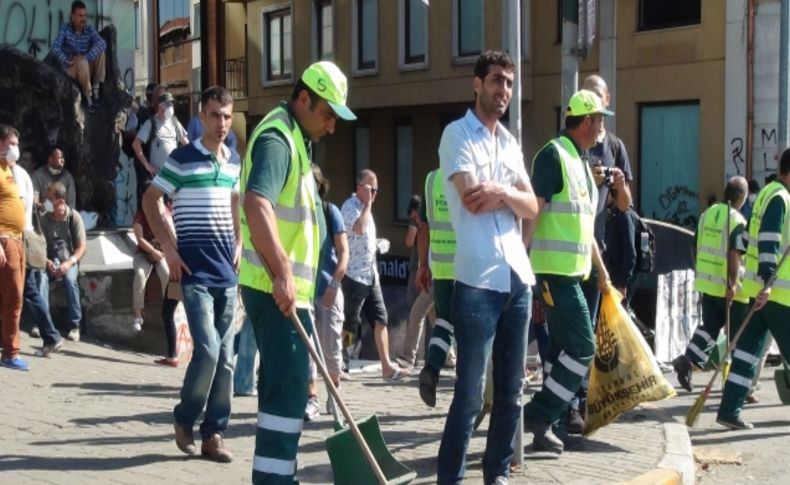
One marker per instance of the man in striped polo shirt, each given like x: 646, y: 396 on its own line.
x: 202, y: 179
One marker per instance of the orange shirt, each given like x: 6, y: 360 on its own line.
x: 12, y: 210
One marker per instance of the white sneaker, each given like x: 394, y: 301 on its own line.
x: 73, y: 335
x: 312, y: 410
x: 35, y: 332
x: 500, y: 481
x: 137, y: 324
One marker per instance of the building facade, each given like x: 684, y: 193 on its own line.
x: 410, y: 73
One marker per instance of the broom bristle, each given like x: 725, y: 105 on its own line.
x: 725, y: 371
x: 695, y: 410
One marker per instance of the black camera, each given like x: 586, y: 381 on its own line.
x: 608, y: 177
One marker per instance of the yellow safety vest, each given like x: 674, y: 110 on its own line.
x: 563, y: 239
x: 295, y: 209
x: 442, y: 235
x: 752, y: 283
x: 711, y: 265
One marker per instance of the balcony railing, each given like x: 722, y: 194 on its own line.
x: 236, y: 77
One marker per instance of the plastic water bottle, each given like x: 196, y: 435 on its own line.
x: 56, y: 263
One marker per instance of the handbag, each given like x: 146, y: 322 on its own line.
x: 36, y: 245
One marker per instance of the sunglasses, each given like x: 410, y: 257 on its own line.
x: 373, y: 189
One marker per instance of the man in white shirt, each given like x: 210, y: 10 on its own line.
x: 488, y: 194
x: 167, y: 135
x: 361, y: 286
x: 34, y: 303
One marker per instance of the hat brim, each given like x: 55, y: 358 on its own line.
x: 342, y: 111
x: 606, y: 112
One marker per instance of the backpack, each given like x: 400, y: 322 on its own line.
x: 645, y: 242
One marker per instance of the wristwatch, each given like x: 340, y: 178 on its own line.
x: 335, y: 284
x: 73, y: 260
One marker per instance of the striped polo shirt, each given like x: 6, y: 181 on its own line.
x: 201, y: 188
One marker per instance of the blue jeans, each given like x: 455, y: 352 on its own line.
x: 72, y: 289
x: 38, y: 307
x: 246, y: 348
x: 209, y: 377
x: 488, y: 325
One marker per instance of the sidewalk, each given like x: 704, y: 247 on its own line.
x: 94, y: 415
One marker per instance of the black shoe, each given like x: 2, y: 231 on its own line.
x: 682, y: 368
x: 428, y: 380
x: 574, y: 423
x: 734, y: 423
x: 543, y: 438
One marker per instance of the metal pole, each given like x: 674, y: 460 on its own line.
x: 784, y: 65
x: 514, y: 125
x: 570, y: 62
x: 514, y: 48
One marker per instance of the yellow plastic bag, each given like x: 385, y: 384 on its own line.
x: 624, y: 372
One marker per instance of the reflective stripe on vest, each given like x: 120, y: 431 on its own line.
x: 441, y: 233
x: 711, y: 262
x: 563, y: 239
x: 295, y: 212
x: 752, y: 282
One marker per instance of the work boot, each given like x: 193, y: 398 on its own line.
x: 214, y: 449
x: 429, y: 378
x: 574, y: 423
x: 184, y: 439
x: 543, y: 438
x: 734, y: 423
x: 682, y: 368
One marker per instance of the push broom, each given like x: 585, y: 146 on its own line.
x: 696, y: 408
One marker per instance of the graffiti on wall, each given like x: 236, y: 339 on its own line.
x: 764, y: 154
x: 677, y: 205
x: 32, y: 25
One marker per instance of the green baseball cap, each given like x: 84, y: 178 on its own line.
x: 586, y: 102
x: 329, y: 82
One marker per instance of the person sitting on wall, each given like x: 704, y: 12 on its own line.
x: 54, y: 171
x: 80, y: 50
x: 65, y: 235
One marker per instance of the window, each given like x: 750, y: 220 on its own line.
x: 404, y: 153
x: 366, y: 35
x: 324, y: 30
x: 414, y: 31
x: 361, y: 147
x: 277, y: 42
x: 468, y: 27
x: 196, y: 22
x: 136, y: 25
x: 664, y: 14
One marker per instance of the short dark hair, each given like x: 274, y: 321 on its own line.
x: 58, y: 189
x: 52, y: 149
x: 322, y: 184
x: 573, y: 122
x: 218, y: 94
x: 6, y: 131
x: 301, y: 86
x: 488, y: 58
x: 784, y: 163
x: 78, y: 5
x: 754, y: 186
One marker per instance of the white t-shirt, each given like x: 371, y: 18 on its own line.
x: 166, y: 139
x: 361, y: 248
x: 25, y: 187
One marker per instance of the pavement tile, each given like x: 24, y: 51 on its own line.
x: 92, y: 414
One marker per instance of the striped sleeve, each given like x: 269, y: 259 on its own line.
x: 168, y: 180
x: 769, y: 238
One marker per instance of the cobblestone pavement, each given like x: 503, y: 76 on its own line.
x: 95, y: 415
